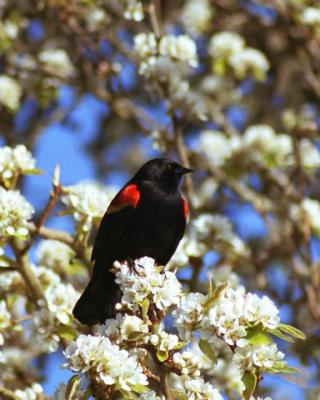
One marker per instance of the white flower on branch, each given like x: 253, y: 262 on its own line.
x: 14, y: 162
x: 234, y: 312
x: 147, y: 282
x: 10, y: 92
x: 189, y: 314
x: 57, y: 62
x: 87, y: 202
x: 5, y: 320
x: 188, y: 363
x: 181, y: 48
x: 195, y: 388
x: 196, y: 16
x: 54, y: 254
x: 111, y: 365
x: 59, y: 303
x: 134, y: 10
x: 249, y: 61
x: 15, y: 214
x: 217, y: 147
x: 225, y: 44
x: 310, y: 16
x: 35, y: 392
x: 261, y: 356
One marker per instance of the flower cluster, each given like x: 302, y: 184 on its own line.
x: 54, y: 318
x: 194, y: 389
x: 55, y: 255
x: 10, y: 92
x: 175, y: 48
x: 229, y: 49
x: 87, y: 203
x: 234, y: 313
x: 5, y: 320
x: 34, y: 392
x: 263, y: 357
x: 15, y: 214
x: 133, y: 10
x: 260, y: 144
x: 14, y: 162
x: 107, y: 361
x: 196, y: 16
x: 147, y: 283
x: 56, y: 62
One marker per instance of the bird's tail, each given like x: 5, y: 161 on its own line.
x: 97, y: 302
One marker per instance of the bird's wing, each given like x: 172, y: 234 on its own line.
x: 117, y: 217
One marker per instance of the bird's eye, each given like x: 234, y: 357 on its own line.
x: 170, y: 166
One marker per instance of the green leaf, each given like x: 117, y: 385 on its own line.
x: 292, y: 331
x: 215, y: 295
x: 179, y: 345
x: 35, y: 171
x: 140, y: 388
x: 276, y: 332
x: 6, y: 261
x: 256, y: 336
x: 249, y: 380
x: 72, y: 386
x: 283, y: 368
x: 207, y: 350
x: 67, y: 332
x: 162, y: 355
x: 178, y: 394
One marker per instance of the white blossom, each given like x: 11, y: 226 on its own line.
x: 234, y: 312
x: 261, y: 356
x: 5, y: 320
x: 14, y: 162
x: 54, y: 254
x: 196, y: 15
x: 264, y: 143
x: 133, y: 328
x: 134, y: 10
x: 32, y: 393
x: 57, y: 62
x: 88, y: 202
x: 60, y: 299
x: 311, y: 209
x: 181, y: 48
x: 249, y: 60
x: 148, y: 281
x: 188, y: 363
x: 15, y: 213
x: 217, y: 147
x: 112, y: 365
x: 310, y: 16
x: 195, y: 388
x: 43, y: 330
x: 309, y: 154
x: 224, y: 44
x: 145, y: 44
x: 10, y: 92
x: 188, y: 314
x: 95, y: 18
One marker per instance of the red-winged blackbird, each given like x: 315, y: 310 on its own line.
x: 146, y: 218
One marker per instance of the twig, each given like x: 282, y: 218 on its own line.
x: 154, y: 18
x: 27, y: 273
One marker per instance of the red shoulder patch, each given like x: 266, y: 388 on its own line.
x: 129, y: 196
x: 185, y: 208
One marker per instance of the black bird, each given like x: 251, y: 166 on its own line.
x: 146, y: 218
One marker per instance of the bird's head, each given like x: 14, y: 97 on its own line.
x: 164, y: 171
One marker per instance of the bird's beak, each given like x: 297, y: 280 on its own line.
x: 184, y: 170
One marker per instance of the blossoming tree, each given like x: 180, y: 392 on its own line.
x: 236, y: 86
